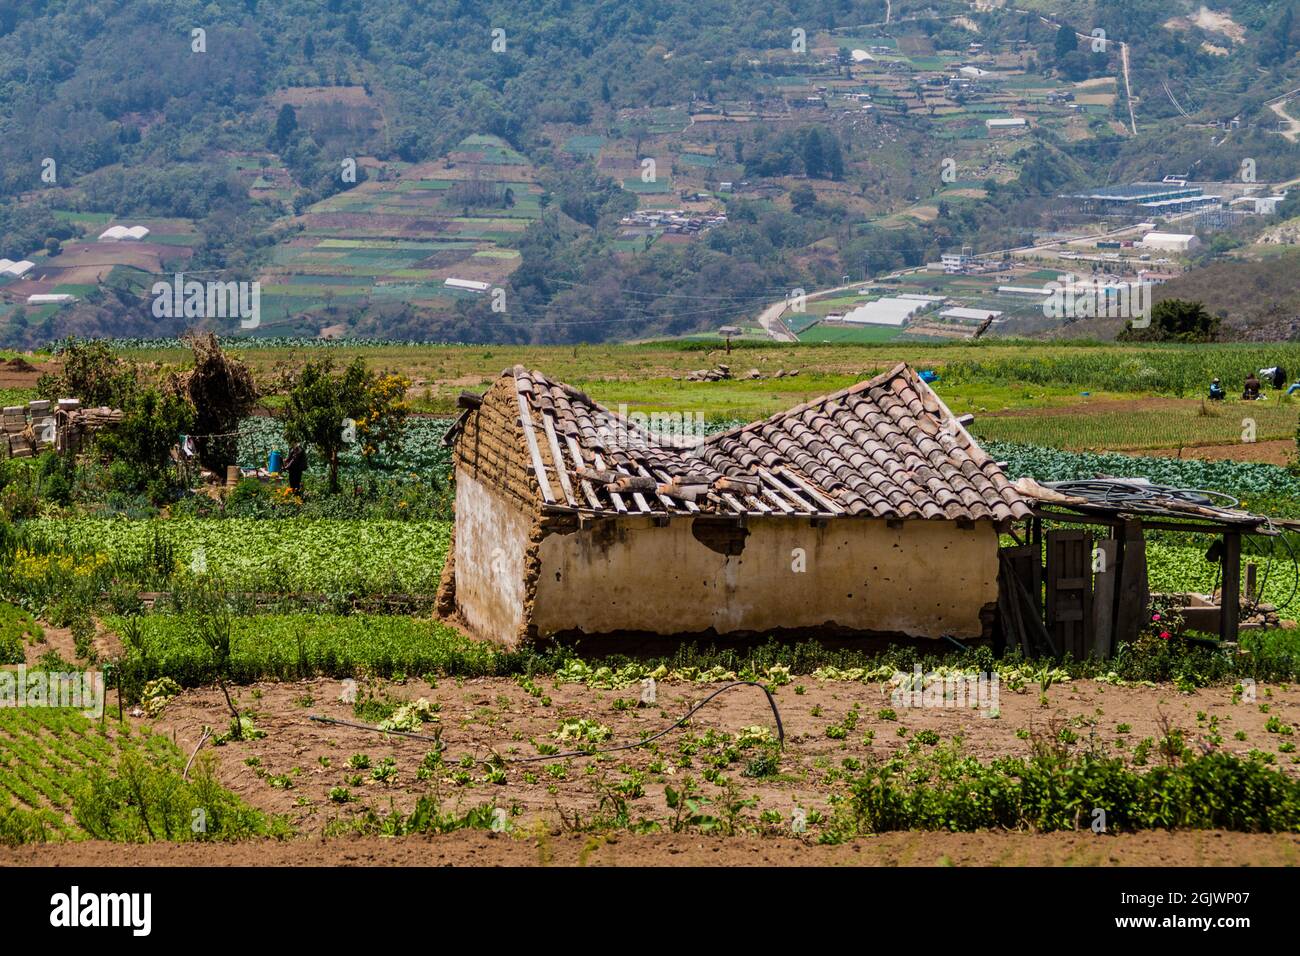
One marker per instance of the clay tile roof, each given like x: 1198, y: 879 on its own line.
x: 884, y: 448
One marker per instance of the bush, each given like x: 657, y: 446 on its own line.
x: 19, y: 826
x: 145, y: 798
x: 91, y: 373
x: 17, y: 630
x: 1059, y: 791
x: 251, y: 498
x: 141, y: 444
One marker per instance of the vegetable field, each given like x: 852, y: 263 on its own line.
x: 1239, y: 478
x: 1163, y: 425
x: 230, y: 621
x: 300, y: 646
x: 335, y: 556
x: 64, y: 776
x: 422, y: 452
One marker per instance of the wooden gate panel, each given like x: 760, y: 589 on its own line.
x: 1069, y: 591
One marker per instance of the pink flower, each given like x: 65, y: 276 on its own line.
x: 1164, y: 635
x: 1155, y: 617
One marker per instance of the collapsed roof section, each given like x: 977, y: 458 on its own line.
x: 882, y: 448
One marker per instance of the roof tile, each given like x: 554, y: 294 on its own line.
x: 886, y: 447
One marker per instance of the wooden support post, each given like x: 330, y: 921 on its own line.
x: 1230, y: 597
x: 1131, y: 591
x: 1250, y: 583
x: 1105, y: 574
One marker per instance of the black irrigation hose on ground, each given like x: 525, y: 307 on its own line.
x: 780, y: 729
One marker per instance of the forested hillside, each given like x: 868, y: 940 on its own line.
x: 507, y: 143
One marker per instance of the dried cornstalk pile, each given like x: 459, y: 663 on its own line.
x: 222, y: 391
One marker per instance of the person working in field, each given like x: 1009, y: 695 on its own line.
x: 1217, y: 394
x: 295, y: 465
x: 1275, y: 376
x: 1251, y: 391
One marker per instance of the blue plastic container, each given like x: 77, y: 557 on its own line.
x: 274, y: 462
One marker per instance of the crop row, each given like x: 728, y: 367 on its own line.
x: 43, y: 750
x: 1167, y: 370
x: 297, y: 646
x: 1159, y: 427
x: 421, y: 452
x: 64, y: 776
x: 341, y: 556
x: 1234, y: 477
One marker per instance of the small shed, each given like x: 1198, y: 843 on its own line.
x: 870, y: 511
x: 1080, y: 587
x: 27, y: 430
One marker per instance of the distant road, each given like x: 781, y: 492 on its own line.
x: 1292, y: 133
x: 771, y: 317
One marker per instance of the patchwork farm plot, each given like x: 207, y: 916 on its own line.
x: 84, y: 264
x: 397, y: 240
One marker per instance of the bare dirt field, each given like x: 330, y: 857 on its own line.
x: 477, y: 848
x: 299, y: 766
x: 18, y: 372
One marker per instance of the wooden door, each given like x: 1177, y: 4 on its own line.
x: 1069, y: 591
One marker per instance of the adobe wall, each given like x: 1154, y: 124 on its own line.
x: 920, y: 578
x: 489, y: 551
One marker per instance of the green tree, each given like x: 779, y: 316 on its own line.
x: 1066, y: 41
x: 330, y: 411
x: 92, y: 373
x: 141, y: 444
x: 814, y: 158
x: 833, y: 156
x: 802, y: 198
x: 286, y: 124
x: 1175, y: 320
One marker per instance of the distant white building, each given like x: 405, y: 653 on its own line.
x: 19, y: 268
x: 50, y: 298
x: 955, y: 263
x: 1006, y: 123
x: 892, y: 311
x: 123, y: 234
x: 1170, y: 241
x: 963, y: 314
x: 466, y: 285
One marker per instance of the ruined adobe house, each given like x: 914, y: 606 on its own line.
x: 870, y: 511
